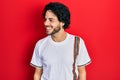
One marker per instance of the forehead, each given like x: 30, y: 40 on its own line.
x: 50, y: 14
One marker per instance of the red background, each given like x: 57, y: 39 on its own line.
x: 96, y: 21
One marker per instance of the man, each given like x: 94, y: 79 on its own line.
x: 53, y: 55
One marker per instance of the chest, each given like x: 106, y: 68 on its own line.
x: 58, y: 54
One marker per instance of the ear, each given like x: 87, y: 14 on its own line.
x: 62, y: 24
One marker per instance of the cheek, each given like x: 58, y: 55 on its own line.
x: 53, y: 25
x: 56, y: 25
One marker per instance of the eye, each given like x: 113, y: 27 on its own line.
x: 51, y: 19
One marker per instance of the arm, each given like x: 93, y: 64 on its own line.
x: 38, y: 73
x: 82, y: 73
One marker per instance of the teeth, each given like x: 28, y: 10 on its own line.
x: 48, y: 27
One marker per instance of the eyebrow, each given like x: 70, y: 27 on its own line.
x: 48, y: 18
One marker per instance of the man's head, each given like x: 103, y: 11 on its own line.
x: 56, y: 14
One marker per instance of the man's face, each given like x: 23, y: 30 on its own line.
x: 52, y: 24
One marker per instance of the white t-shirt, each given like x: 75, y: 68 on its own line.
x: 56, y: 58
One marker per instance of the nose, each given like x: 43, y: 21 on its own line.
x: 46, y: 22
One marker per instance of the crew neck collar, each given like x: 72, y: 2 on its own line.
x: 59, y: 43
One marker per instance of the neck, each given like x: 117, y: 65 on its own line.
x: 60, y: 36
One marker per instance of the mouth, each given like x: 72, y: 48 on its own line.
x: 48, y: 28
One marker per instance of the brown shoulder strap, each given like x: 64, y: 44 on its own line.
x: 76, y: 51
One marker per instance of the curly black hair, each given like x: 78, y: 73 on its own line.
x: 60, y: 10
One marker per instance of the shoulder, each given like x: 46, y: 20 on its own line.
x: 42, y: 41
x: 73, y: 36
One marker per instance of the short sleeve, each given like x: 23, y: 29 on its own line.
x: 36, y: 60
x: 83, y: 58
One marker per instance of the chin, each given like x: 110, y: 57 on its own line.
x: 48, y: 33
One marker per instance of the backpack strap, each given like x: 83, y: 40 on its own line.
x: 76, y: 52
